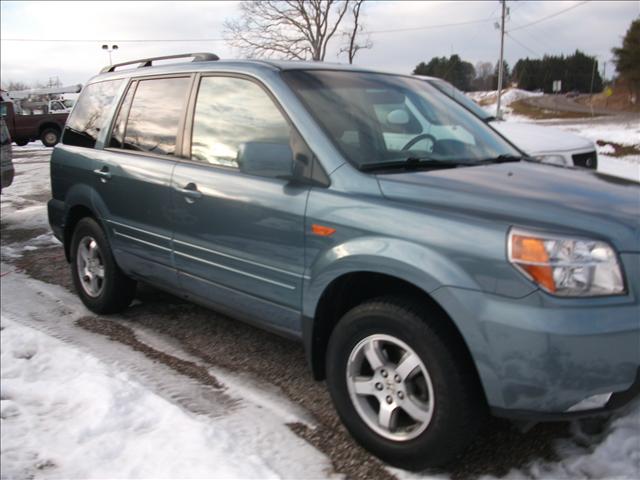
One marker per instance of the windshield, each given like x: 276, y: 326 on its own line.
x: 451, y: 91
x: 380, y: 119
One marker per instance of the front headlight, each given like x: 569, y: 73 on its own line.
x: 552, y: 160
x: 564, y: 266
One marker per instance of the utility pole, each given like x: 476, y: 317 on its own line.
x: 501, y: 64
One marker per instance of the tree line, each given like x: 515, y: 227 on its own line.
x: 575, y: 71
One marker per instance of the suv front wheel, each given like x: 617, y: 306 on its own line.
x: 400, y: 386
x: 100, y: 283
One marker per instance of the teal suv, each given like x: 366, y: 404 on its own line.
x: 434, y: 274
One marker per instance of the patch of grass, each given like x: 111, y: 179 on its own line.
x: 522, y: 107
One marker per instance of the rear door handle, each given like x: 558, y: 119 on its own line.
x: 103, y: 173
x: 190, y: 192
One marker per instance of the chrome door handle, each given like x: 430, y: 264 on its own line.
x: 103, y: 173
x: 190, y: 191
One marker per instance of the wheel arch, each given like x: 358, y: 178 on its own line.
x: 353, y: 288
x: 81, y: 201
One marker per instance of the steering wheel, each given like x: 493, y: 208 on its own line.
x: 418, y: 138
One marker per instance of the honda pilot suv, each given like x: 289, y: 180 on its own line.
x: 433, y: 273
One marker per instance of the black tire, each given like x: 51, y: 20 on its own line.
x: 459, y: 409
x: 50, y: 136
x: 21, y: 143
x: 117, y: 290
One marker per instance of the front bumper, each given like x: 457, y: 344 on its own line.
x: 538, y: 356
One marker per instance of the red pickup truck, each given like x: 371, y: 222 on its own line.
x: 26, y: 128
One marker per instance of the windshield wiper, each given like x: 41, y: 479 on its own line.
x: 504, y: 158
x: 411, y: 163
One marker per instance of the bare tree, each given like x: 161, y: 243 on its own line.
x: 289, y: 29
x: 15, y: 85
x: 352, y: 36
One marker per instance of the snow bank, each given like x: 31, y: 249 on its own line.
x: 613, y: 454
x: 509, y: 95
x: 67, y: 415
x: 627, y: 133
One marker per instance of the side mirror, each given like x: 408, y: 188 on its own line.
x: 398, y: 117
x: 266, y: 159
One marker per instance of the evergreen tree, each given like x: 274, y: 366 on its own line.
x: 627, y: 58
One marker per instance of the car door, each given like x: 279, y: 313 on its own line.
x: 134, y: 172
x: 239, y: 238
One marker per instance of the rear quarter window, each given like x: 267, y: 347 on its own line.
x: 90, y: 113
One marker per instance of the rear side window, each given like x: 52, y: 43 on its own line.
x: 154, y: 117
x: 89, y: 114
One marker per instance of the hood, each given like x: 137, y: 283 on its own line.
x: 528, y: 194
x: 535, y: 139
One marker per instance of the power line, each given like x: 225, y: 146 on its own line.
x: 158, y: 40
x: 428, y: 27
x: 523, y: 45
x: 147, y: 40
x: 535, y: 22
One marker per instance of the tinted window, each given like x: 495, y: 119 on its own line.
x: 155, y: 114
x: 117, y: 134
x: 89, y: 114
x: 236, y: 124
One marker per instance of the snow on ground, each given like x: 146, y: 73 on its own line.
x: 65, y: 414
x: 77, y: 405
x: 489, y: 100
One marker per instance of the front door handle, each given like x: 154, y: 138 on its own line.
x: 190, y: 192
x: 103, y: 173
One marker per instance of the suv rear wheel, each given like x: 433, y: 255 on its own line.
x: 400, y: 386
x: 100, y: 283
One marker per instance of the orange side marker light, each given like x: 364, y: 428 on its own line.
x: 322, y: 230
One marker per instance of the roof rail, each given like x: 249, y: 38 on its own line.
x: 148, y: 62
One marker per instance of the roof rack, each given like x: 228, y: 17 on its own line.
x: 148, y: 62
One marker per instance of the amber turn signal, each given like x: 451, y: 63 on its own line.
x: 530, y: 255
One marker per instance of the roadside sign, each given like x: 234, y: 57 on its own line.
x: 608, y: 92
x: 557, y: 86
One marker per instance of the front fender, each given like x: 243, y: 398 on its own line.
x: 413, y: 263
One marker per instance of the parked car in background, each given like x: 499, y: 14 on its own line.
x: 27, y: 128
x: 6, y: 161
x: 546, y: 144
x: 433, y: 273
x: 63, y: 105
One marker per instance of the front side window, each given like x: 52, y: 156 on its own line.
x: 89, y: 115
x: 237, y: 125
x: 381, y: 119
x: 154, y: 117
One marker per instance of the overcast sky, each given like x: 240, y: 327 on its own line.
x: 593, y: 27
